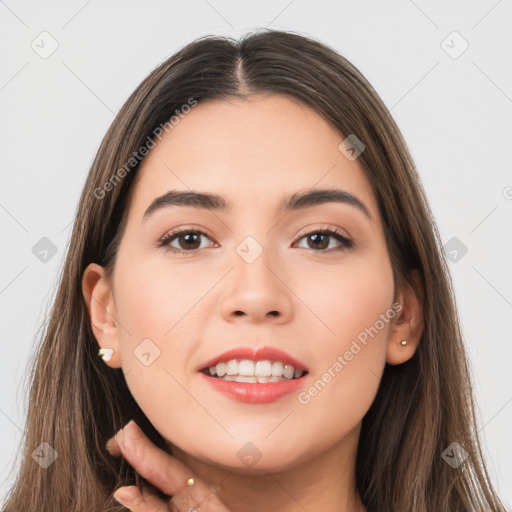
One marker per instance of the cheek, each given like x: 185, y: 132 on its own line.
x: 159, y: 324
x: 353, y: 314
x: 356, y: 305
x: 157, y: 302
x: 346, y: 298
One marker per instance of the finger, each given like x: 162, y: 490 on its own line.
x: 163, y: 470
x: 131, y: 498
x: 160, y: 468
x: 113, y: 447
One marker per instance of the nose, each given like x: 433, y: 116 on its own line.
x: 257, y: 292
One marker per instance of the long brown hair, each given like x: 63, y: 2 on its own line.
x: 422, y: 406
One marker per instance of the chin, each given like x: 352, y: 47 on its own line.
x: 255, y: 464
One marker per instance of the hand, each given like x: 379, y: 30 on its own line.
x: 165, y: 472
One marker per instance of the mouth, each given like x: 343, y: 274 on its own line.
x: 254, y: 371
x: 254, y: 375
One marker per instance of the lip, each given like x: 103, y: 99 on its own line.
x: 255, y: 354
x: 255, y: 393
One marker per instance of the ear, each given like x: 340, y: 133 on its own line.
x: 407, y: 324
x: 99, y: 299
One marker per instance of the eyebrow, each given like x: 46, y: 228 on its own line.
x: 297, y: 201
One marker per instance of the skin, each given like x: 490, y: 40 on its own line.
x: 194, y: 306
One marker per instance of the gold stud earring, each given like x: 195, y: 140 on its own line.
x: 403, y: 342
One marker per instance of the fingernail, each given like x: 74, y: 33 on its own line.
x: 117, y: 436
x: 110, y: 442
x: 129, y: 427
x: 123, y: 495
x: 120, y: 435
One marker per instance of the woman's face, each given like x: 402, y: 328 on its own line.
x: 248, y: 276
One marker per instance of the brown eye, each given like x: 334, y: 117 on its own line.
x: 318, y: 241
x: 321, y: 240
x: 183, y: 241
x: 189, y: 240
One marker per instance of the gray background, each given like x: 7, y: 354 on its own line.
x: 454, y: 110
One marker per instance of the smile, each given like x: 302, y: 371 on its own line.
x: 257, y: 382
x: 249, y: 371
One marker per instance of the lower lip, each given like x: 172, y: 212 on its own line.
x: 254, y: 393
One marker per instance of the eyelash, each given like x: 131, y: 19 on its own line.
x: 346, y: 243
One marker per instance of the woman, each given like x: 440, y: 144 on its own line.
x: 255, y: 258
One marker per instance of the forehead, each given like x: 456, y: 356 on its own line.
x: 253, y: 151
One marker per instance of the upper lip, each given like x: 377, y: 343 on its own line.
x: 255, y: 354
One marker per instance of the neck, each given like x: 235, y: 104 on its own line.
x: 324, y: 482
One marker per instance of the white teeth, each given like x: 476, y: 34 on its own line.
x: 289, y: 371
x: 246, y: 370
x: 246, y: 367
x: 221, y: 369
x: 232, y: 367
x: 263, y: 369
x: 251, y: 379
x: 277, y: 369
